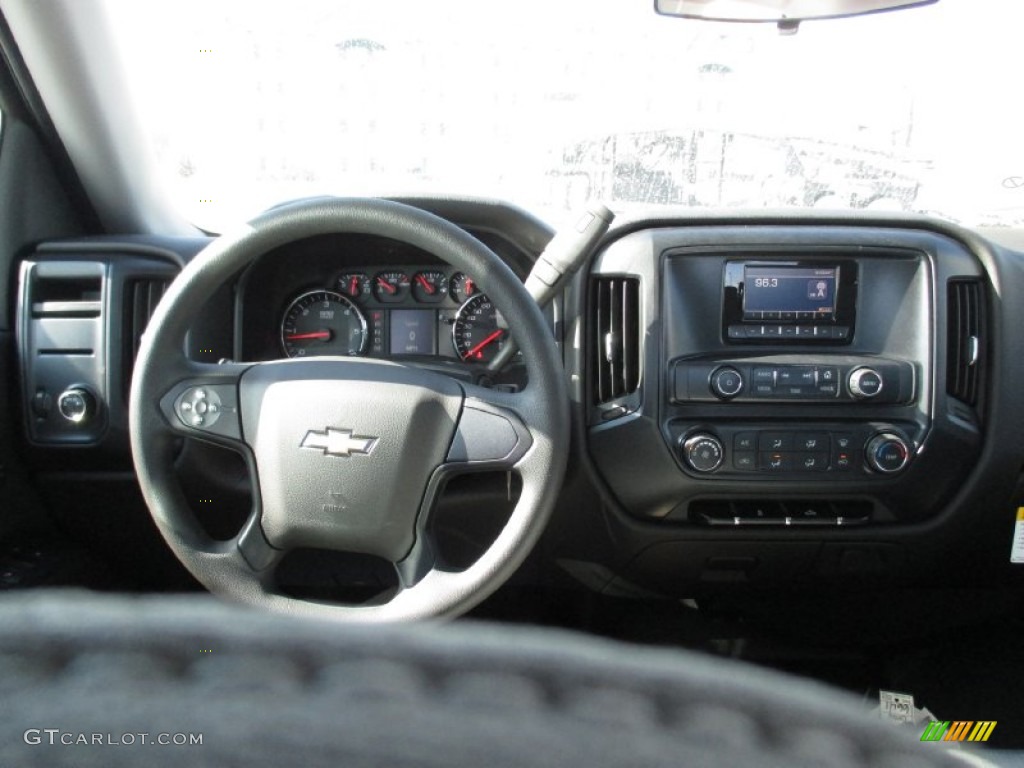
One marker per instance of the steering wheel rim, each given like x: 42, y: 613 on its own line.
x: 259, y: 407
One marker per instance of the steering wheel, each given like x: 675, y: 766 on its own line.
x: 347, y: 454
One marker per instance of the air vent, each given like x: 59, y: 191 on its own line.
x: 140, y: 299
x: 965, y: 340
x: 615, y: 337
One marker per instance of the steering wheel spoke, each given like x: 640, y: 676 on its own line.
x: 203, y: 403
x: 492, y: 433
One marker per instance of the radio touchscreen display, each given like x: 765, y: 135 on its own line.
x: 786, y: 292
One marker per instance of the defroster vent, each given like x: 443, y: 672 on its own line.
x: 615, y: 338
x: 965, y: 353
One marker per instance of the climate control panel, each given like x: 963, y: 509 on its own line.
x: 814, y: 450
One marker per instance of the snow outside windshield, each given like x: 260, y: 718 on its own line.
x: 549, y: 103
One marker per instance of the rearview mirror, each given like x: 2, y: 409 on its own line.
x: 778, y: 11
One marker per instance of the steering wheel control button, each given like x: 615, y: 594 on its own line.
x: 77, y: 405
x: 887, y: 453
x: 726, y: 383
x: 207, y: 407
x: 199, y: 407
x: 865, y: 383
x: 703, y: 452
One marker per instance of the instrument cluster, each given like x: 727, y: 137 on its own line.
x: 394, y: 312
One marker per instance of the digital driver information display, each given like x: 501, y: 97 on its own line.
x: 413, y: 331
x: 799, y: 292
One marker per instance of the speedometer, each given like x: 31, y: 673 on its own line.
x: 323, y: 323
x: 479, y: 330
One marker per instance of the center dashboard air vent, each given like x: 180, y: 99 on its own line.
x: 965, y: 340
x: 615, y: 343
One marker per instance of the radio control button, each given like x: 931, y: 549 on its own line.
x: 764, y: 375
x: 737, y: 332
x: 824, y: 332
x: 763, y: 390
x: 797, y: 391
x: 789, y: 331
x: 805, y: 331
x: 829, y: 390
x: 726, y: 382
x: 773, y: 331
x: 799, y: 375
x: 865, y: 383
x: 841, y: 332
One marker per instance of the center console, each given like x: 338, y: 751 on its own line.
x: 784, y: 368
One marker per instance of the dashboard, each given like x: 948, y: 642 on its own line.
x: 760, y: 401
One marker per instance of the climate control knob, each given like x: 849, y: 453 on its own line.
x: 887, y: 453
x: 77, y: 405
x: 865, y: 383
x: 703, y: 452
x: 726, y: 382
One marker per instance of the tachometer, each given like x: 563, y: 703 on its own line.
x: 479, y: 330
x: 323, y: 323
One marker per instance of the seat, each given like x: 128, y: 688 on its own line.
x: 267, y: 689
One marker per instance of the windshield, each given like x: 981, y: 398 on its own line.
x: 550, y: 103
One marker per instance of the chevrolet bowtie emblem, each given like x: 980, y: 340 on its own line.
x: 338, y: 442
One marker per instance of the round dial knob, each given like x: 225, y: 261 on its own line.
x: 887, y: 453
x: 865, y: 383
x: 77, y: 405
x: 703, y: 452
x: 726, y: 382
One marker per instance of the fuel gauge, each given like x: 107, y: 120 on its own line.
x: 355, y: 285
